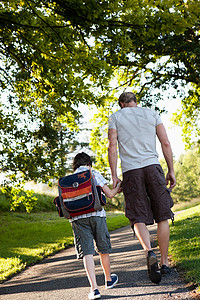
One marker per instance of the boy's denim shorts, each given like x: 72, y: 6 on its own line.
x: 88, y: 230
x: 147, y: 197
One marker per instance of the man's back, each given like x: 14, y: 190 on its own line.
x: 136, y: 134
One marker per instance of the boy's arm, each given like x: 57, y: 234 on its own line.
x: 110, y: 193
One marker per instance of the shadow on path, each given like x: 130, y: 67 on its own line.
x: 62, y: 276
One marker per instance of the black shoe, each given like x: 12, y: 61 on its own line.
x: 152, y: 266
x: 114, y: 280
x: 94, y: 295
x: 165, y: 270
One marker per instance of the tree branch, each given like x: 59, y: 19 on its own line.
x: 48, y: 25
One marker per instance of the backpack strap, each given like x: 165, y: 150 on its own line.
x: 64, y: 211
x: 97, y: 204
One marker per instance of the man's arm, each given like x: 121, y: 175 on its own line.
x: 112, y: 155
x: 168, y: 155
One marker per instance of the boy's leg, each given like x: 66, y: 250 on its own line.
x: 102, y: 239
x: 110, y: 279
x: 105, y: 262
x: 89, y: 265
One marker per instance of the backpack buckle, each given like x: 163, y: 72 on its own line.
x: 75, y: 185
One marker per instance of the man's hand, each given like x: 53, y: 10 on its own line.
x: 171, y: 178
x: 120, y: 189
x: 116, y: 180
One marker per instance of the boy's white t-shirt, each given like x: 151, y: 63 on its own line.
x: 100, y: 181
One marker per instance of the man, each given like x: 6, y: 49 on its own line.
x: 147, y: 198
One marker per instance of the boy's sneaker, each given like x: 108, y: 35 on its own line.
x: 94, y: 294
x: 114, y: 280
x: 152, y: 266
x: 165, y: 270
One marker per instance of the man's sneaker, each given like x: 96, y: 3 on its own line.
x: 152, y: 266
x: 165, y: 270
x: 114, y: 279
x: 94, y: 295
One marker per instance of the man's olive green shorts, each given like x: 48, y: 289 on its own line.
x: 147, y: 198
x: 88, y: 230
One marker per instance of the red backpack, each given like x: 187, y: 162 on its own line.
x: 78, y: 195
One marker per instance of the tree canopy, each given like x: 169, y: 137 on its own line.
x: 56, y: 54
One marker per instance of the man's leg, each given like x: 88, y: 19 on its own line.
x: 152, y: 264
x: 89, y: 265
x: 163, y: 241
x: 143, y: 236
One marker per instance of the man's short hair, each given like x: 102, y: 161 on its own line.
x: 81, y: 159
x: 127, y: 97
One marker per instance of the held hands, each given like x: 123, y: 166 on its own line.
x: 117, y: 183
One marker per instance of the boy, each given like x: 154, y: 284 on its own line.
x: 90, y: 227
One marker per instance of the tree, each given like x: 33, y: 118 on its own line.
x: 58, y: 54
x: 188, y: 118
x: 187, y: 172
x: 163, y: 50
x: 46, y: 69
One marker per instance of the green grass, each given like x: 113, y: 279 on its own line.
x: 185, y: 244
x: 28, y: 238
x: 186, y: 204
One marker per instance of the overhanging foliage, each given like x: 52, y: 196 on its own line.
x: 58, y: 54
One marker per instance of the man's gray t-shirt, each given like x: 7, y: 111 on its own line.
x: 136, y: 134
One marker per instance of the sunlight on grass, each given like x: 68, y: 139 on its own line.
x: 10, y: 266
x: 116, y: 220
x: 185, y: 244
x: 186, y: 204
x: 28, y: 238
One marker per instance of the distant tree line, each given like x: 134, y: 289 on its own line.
x: 187, y: 171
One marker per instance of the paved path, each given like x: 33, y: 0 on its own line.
x: 61, y: 277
